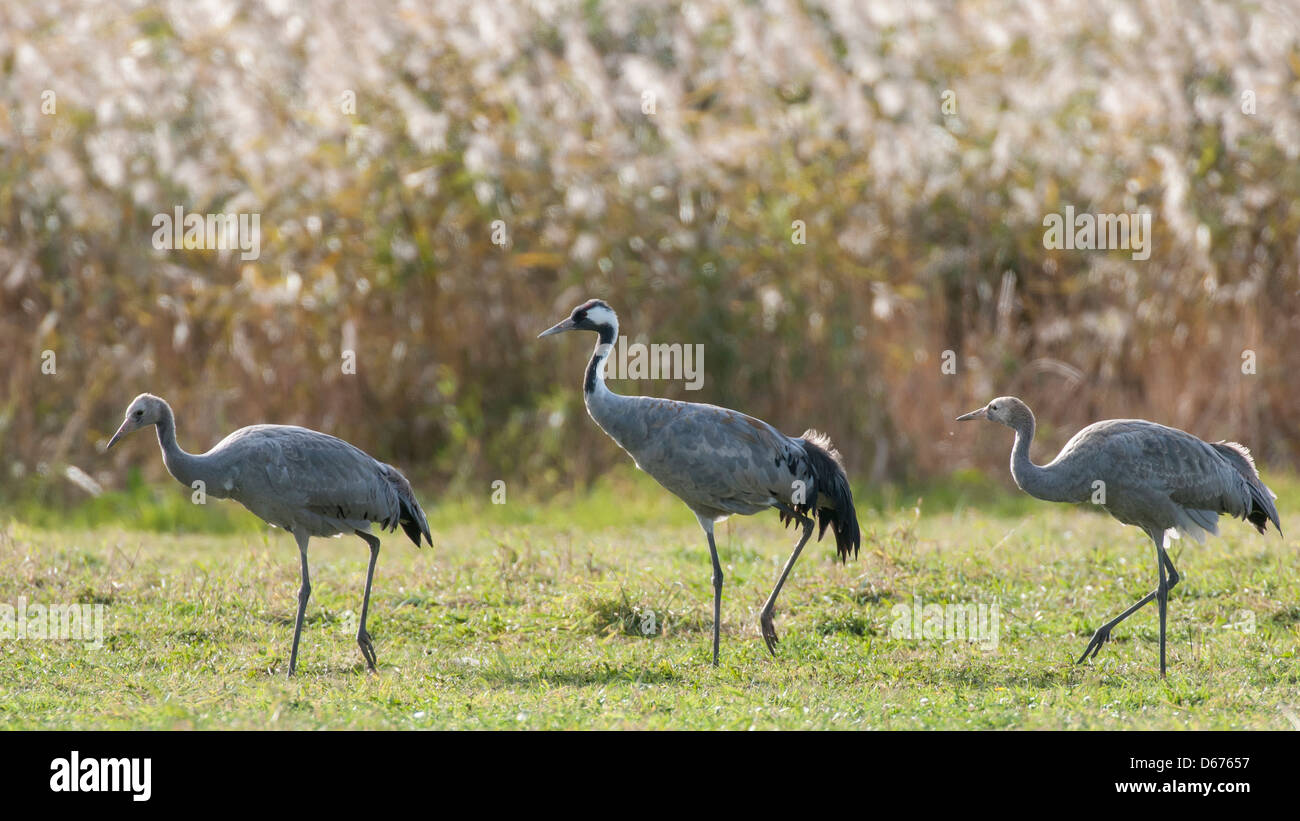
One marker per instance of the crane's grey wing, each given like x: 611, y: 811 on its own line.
x: 306, y: 478
x: 1147, y: 462
x: 720, y: 461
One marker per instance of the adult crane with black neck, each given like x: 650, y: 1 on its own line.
x: 720, y: 462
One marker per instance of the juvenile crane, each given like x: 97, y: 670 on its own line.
x: 1161, y: 479
x: 720, y: 462
x: 309, y: 483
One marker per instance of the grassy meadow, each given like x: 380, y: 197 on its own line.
x: 529, y: 615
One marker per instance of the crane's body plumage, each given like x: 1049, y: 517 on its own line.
x: 720, y: 462
x: 1161, y: 479
x: 1158, y: 477
x: 303, y: 480
x: 306, y: 482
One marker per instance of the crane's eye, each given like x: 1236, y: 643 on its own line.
x: 138, y: 413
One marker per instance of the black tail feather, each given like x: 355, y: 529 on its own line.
x: 414, y: 523
x: 410, y: 515
x: 1262, y: 510
x: 832, y: 500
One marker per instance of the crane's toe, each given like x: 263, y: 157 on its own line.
x: 1094, y: 645
x: 769, y: 632
x: 367, y: 649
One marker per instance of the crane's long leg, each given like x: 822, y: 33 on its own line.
x: 304, y: 593
x: 1162, y: 598
x: 765, y: 615
x: 363, y: 638
x: 707, y: 524
x: 1103, y: 633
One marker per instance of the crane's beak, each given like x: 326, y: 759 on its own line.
x: 559, y: 327
x: 982, y: 413
x: 122, y: 431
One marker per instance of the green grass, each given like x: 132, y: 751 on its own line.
x: 530, y: 615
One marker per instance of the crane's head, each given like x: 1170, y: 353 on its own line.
x: 145, y: 410
x: 592, y: 315
x: 1006, y: 410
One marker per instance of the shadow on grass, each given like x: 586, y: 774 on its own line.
x: 289, y: 621
x: 278, y: 667
x: 643, y: 615
x: 989, y: 677
x: 1287, y: 616
x: 498, y: 676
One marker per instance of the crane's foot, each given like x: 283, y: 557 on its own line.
x: 768, y: 630
x: 1094, y: 646
x: 367, y: 648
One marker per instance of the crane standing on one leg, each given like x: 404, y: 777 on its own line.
x: 309, y: 483
x: 720, y: 462
x: 1161, y: 479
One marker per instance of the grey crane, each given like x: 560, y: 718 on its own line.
x: 309, y: 483
x: 1161, y: 479
x: 720, y: 462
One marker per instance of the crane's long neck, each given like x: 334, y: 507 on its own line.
x: 186, y: 467
x: 594, y: 383
x: 609, y: 410
x: 1047, y: 483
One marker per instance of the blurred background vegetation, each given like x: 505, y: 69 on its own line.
x: 656, y: 154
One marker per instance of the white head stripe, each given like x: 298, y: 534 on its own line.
x: 601, y: 315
